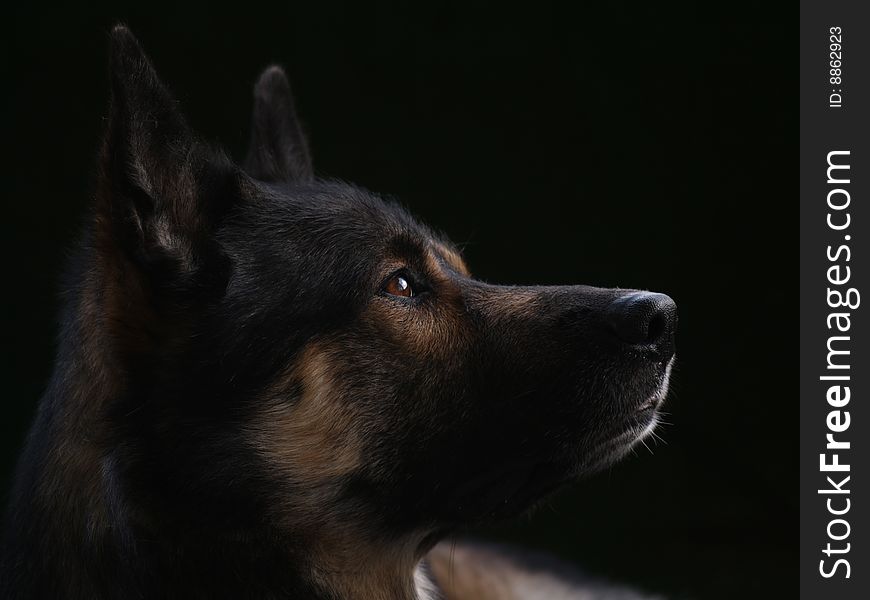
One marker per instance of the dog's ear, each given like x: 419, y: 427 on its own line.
x: 278, y: 149
x: 161, y: 191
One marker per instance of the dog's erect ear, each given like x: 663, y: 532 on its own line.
x: 278, y: 150
x: 161, y: 191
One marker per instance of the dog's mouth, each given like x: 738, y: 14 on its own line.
x: 630, y: 431
x: 653, y: 403
x: 657, y: 397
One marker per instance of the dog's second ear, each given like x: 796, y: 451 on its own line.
x: 161, y: 191
x: 278, y: 149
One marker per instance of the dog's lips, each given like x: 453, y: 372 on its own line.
x: 649, y: 405
x: 657, y: 398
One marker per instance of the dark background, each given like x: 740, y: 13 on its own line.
x: 635, y: 146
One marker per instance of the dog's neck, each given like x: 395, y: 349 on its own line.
x: 390, y: 576
x: 345, y: 566
x: 258, y: 568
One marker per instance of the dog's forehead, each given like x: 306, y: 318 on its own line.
x: 329, y: 213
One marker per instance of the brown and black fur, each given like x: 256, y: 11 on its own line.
x: 241, y: 408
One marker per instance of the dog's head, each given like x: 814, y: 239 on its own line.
x: 300, y: 352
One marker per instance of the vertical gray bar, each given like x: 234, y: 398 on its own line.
x: 834, y: 124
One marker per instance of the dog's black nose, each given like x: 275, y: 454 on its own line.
x: 645, y: 319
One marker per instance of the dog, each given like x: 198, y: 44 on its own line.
x: 270, y: 385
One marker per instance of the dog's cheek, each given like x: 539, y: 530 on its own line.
x: 307, y: 436
x: 420, y: 337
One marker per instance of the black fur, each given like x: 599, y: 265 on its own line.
x: 208, y: 301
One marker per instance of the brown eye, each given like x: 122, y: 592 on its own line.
x: 399, y: 286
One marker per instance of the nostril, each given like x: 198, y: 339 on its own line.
x: 656, y: 328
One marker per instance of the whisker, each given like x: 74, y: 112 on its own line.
x: 657, y: 438
x: 645, y: 446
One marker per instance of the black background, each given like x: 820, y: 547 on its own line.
x: 635, y: 146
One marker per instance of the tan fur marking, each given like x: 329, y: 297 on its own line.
x: 76, y: 452
x: 435, y: 331
x: 312, y: 438
x: 350, y: 567
x: 453, y: 258
x: 508, y: 303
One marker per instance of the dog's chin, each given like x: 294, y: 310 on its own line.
x: 640, y: 425
x: 636, y: 426
x: 516, y: 486
x: 627, y: 429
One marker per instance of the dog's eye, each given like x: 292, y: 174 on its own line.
x: 399, y: 285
